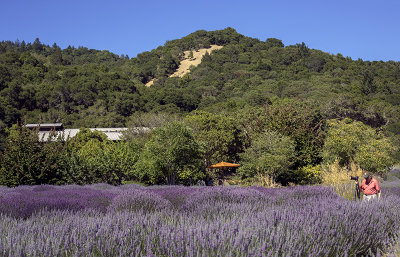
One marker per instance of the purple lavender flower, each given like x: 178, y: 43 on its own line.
x: 193, y: 221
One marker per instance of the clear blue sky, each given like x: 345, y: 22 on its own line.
x: 366, y: 29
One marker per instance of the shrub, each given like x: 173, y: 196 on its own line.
x: 308, y: 175
x: 348, y: 141
x: 171, y: 156
x: 24, y: 201
x: 139, y: 200
x: 270, y: 154
x: 27, y: 161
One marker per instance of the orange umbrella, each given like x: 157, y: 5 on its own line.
x: 223, y: 165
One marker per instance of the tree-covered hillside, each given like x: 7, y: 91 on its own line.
x: 289, y: 91
x: 86, y: 87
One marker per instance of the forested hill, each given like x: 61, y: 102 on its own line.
x: 91, y: 88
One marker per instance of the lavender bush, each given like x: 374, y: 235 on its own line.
x: 101, y: 220
x: 23, y: 201
x: 139, y: 200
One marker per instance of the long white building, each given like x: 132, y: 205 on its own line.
x: 56, y: 130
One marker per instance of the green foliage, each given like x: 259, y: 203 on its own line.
x: 303, y: 123
x: 349, y: 140
x: 25, y: 161
x: 74, y: 168
x: 171, y: 156
x: 221, y: 135
x: 151, y: 120
x: 90, y: 87
x: 90, y: 158
x: 270, y: 154
x: 308, y: 175
x: 343, y: 140
x: 86, y: 136
x: 108, y: 162
x: 376, y: 155
x: 237, y: 92
x: 87, y: 158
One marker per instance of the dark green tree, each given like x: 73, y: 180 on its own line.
x: 26, y: 161
x: 274, y: 42
x: 349, y: 140
x: 56, y: 57
x: 171, y: 156
x: 221, y: 135
x: 303, y: 123
x: 270, y: 154
x: 37, y: 45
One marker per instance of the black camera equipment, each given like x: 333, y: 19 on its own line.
x: 357, y: 189
x: 354, y: 178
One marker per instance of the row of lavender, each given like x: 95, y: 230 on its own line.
x: 101, y: 220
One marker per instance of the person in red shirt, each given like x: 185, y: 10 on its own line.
x: 370, y: 187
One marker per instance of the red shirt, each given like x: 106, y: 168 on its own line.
x: 371, y: 188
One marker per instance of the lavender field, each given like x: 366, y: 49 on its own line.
x: 131, y: 220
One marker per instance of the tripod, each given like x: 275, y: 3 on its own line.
x: 357, y: 192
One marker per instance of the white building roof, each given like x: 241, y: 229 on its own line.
x: 45, y: 126
x: 111, y: 133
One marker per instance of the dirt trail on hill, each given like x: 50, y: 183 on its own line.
x: 189, y: 61
x: 184, y: 68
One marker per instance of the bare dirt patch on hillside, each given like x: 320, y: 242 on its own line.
x: 192, y: 58
x: 189, y: 61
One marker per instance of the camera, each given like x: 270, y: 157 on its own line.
x: 354, y: 178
